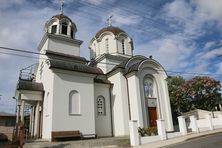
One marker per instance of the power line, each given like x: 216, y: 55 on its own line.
x: 57, y: 59
x: 145, y: 17
x: 154, y: 29
x: 19, y: 50
x: 19, y: 55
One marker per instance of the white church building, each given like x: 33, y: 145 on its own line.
x: 96, y: 97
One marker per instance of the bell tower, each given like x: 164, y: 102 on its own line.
x: 59, y: 36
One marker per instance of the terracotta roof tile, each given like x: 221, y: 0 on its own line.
x: 61, y: 16
x: 72, y: 66
x: 114, y: 30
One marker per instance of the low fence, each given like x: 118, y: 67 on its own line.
x: 193, y: 126
x: 208, y: 123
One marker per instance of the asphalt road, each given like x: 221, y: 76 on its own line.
x: 208, y: 141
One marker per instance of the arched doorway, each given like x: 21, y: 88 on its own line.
x: 151, y: 100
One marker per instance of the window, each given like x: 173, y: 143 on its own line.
x: 148, y: 88
x: 74, y: 102
x: 71, y: 33
x: 64, y: 28
x: 101, y: 105
x: 54, y: 28
x: 123, y: 46
x: 107, y: 45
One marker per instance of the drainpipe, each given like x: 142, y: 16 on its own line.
x: 111, y: 115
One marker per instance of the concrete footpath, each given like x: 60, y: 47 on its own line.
x: 177, y: 140
x: 112, y: 142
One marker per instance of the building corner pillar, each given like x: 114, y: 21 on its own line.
x: 36, y: 125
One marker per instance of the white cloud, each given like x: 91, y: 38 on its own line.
x: 209, y: 45
x: 208, y: 10
x: 24, y: 28
x: 210, y: 54
x: 219, y: 70
x: 8, y: 3
x: 182, y: 15
x: 172, y: 54
x: 121, y: 17
x: 94, y: 2
x: 178, y: 10
x: 192, y: 16
x: 200, y: 66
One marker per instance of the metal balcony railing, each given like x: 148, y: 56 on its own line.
x: 28, y: 73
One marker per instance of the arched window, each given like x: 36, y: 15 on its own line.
x: 123, y: 46
x: 74, y: 102
x: 71, y: 33
x: 148, y: 88
x: 107, y: 45
x: 101, y: 105
x: 54, y: 28
x: 64, y: 28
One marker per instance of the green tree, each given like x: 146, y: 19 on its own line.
x: 199, y: 92
x: 174, y: 82
x: 173, y: 85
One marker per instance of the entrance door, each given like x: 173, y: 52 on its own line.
x: 152, y: 116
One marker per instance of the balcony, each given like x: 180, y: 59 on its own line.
x: 28, y: 73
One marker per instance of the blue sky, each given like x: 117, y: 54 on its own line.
x: 183, y: 35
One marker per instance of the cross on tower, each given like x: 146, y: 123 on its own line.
x: 109, y: 20
x: 62, y: 6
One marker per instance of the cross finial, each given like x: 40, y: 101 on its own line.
x: 109, y: 20
x: 62, y: 6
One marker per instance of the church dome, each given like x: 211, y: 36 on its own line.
x: 112, y: 41
x: 61, y: 25
x: 115, y: 30
x: 61, y: 16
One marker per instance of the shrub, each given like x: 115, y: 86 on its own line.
x: 149, y: 131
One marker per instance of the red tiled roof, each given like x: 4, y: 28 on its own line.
x: 61, y: 16
x: 114, y: 30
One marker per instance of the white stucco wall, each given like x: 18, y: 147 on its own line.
x: 167, y: 114
x: 44, y: 47
x: 64, y: 83
x: 111, y: 64
x: 98, y: 46
x: 127, y: 45
x: 32, y: 95
x: 103, y: 122
x: 120, y: 108
x: 63, y: 47
x: 135, y: 99
x: 106, y: 65
x: 47, y: 79
x: 102, y: 65
x: 111, y: 43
